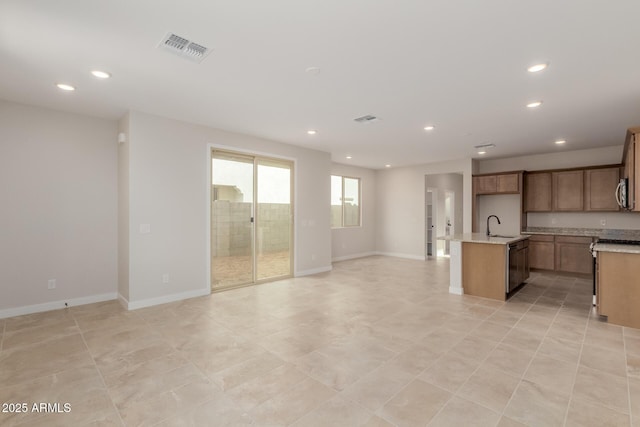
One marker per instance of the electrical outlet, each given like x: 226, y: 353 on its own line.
x: 165, y: 278
x: 554, y: 221
x: 51, y: 284
x: 603, y: 222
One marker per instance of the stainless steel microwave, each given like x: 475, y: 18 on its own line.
x: 622, y: 193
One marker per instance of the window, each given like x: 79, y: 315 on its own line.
x: 345, y: 201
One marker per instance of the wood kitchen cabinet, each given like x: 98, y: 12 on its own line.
x: 508, y: 183
x: 573, y: 255
x: 599, y: 189
x: 483, y: 270
x: 495, y: 184
x: 618, y: 292
x: 568, y: 190
x: 485, y: 184
x: 542, y: 252
x: 568, y: 254
x: 537, y: 187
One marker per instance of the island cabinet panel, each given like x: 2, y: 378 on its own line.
x: 568, y: 190
x: 573, y: 254
x: 600, y: 188
x: 537, y: 192
x: 618, y: 288
x: 484, y: 270
x: 542, y: 252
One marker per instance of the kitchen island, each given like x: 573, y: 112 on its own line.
x: 618, y: 283
x: 487, y: 266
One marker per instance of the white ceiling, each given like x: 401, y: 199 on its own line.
x: 460, y: 65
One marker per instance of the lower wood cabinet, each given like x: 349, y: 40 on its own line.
x: 573, y: 254
x: 542, y: 252
x: 567, y: 254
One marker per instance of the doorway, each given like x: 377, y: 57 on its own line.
x: 251, y: 219
x: 443, y: 212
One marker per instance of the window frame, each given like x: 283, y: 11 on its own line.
x: 342, y: 201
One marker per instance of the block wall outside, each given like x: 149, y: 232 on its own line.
x: 351, y: 214
x: 231, y: 228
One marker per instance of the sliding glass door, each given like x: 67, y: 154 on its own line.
x: 251, y: 219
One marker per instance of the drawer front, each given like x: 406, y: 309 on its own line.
x: 574, y: 239
x: 541, y: 238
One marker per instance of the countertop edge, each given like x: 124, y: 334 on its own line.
x: 607, y: 247
x: 482, y: 238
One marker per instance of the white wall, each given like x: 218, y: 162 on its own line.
x: 123, y: 209
x: 502, y: 206
x: 558, y: 160
x: 400, y: 206
x: 353, y: 242
x: 169, y: 190
x: 507, y: 207
x: 59, y: 209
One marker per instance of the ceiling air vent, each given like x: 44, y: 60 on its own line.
x: 367, y: 119
x: 481, y: 146
x: 184, y: 47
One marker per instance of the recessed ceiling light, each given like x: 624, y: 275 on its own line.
x: 349, y: 157
x: 313, y: 70
x: 560, y: 141
x: 482, y: 152
x: 429, y: 127
x: 312, y: 132
x: 534, y: 104
x: 387, y: 166
x: 65, y: 86
x: 537, y: 67
x: 100, y: 74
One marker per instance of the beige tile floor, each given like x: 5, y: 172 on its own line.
x: 376, y: 342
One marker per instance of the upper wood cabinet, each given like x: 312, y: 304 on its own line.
x: 497, y: 184
x: 572, y: 190
x: 568, y: 190
x: 537, y: 187
x: 508, y: 183
x: 485, y: 184
x: 599, y: 189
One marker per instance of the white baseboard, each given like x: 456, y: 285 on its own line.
x: 353, y: 256
x: 400, y: 255
x: 313, y: 271
x: 134, y: 305
x: 455, y: 290
x: 56, y: 305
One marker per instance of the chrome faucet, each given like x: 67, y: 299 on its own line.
x: 488, y: 218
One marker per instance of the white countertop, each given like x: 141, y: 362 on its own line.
x: 614, y: 247
x: 483, y: 238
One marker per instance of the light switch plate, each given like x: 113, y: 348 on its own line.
x: 145, y: 228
